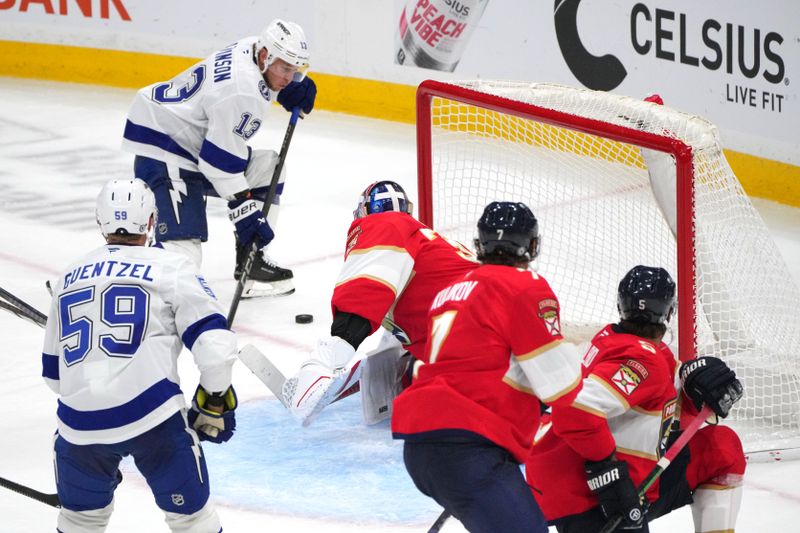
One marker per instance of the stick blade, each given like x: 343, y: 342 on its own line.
x: 264, y: 370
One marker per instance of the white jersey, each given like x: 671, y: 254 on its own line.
x: 119, y: 318
x: 201, y: 119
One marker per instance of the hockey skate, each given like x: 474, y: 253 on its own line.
x: 266, y: 278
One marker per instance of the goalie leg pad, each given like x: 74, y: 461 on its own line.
x: 381, y: 381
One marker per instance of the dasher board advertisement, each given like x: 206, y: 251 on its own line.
x: 733, y: 62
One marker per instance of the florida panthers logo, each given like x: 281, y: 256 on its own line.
x: 548, y: 312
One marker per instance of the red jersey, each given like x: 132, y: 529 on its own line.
x: 494, y: 350
x: 393, y: 267
x: 626, y: 406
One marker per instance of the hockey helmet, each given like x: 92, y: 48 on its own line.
x: 286, y: 41
x: 383, y: 196
x: 124, y: 207
x: 508, y: 228
x: 646, y: 295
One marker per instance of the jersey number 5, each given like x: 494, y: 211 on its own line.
x: 124, y: 311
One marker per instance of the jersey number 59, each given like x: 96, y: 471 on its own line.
x: 124, y: 312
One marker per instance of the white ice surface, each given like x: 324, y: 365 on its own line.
x: 59, y: 142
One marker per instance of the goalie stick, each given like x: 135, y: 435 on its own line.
x: 269, y: 374
x: 49, y: 499
x: 21, y: 308
x: 251, y: 253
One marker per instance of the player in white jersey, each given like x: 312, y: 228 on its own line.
x: 190, y: 138
x: 120, y: 316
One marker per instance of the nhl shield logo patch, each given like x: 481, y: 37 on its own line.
x: 264, y: 90
x: 548, y: 312
x: 177, y: 499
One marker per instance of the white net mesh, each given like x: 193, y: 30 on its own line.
x: 600, y: 215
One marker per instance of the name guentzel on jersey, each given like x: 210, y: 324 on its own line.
x: 109, y: 269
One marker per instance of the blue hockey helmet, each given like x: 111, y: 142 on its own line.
x: 383, y: 196
x: 646, y: 295
x: 509, y: 229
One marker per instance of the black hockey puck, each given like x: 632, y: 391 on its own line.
x: 304, y: 319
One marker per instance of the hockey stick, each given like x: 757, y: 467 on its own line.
x: 269, y: 374
x: 49, y: 499
x: 665, y: 461
x: 251, y: 254
x: 21, y: 309
x: 437, y: 525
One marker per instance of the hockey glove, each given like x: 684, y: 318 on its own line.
x: 299, y: 94
x: 709, y: 381
x: 249, y: 221
x: 213, y: 414
x: 610, y: 482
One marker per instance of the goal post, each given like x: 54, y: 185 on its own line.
x: 616, y: 182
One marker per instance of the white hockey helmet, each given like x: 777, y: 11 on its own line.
x: 286, y: 41
x: 124, y: 207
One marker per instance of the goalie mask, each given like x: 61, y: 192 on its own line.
x: 286, y: 41
x: 646, y: 295
x: 508, y: 229
x: 125, y: 207
x: 383, y: 196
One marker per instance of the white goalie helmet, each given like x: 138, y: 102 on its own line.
x: 286, y: 41
x: 124, y: 207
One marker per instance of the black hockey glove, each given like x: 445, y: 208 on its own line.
x: 209, y: 424
x: 299, y: 94
x: 249, y: 221
x: 709, y: 381
x: 610, y: 482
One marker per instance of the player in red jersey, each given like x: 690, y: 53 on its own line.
x: 393, y: 267
x: 494, y: 351
x: 619, y: 425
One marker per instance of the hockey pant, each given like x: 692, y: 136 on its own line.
x: 477, y: 481
x: 181, y: 194
x: 168, y: 456
x: 707, y: 475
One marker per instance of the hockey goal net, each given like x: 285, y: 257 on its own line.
x: 617, y: 182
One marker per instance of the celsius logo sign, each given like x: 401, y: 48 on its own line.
x: 601, y: 73
x: 738, y: 50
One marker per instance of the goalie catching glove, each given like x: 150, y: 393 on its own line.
x: 610, y: 482
x: 213, y: 414
x: 319, y: 379
x: 709, y: 381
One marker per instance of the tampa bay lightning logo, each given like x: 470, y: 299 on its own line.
x: 264, y: 90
